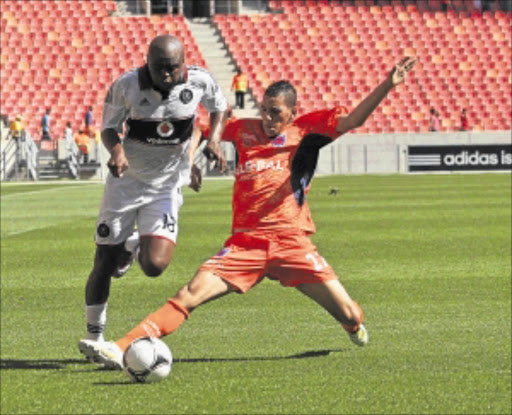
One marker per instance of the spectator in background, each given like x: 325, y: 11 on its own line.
x: 464, y: 123
x: 68, y: 140
x: 435, y: 122
x: 16, y: 128
x: 82, y: 141
x: 239, y: 85
x: 88, y: 120
x: 45, y: 125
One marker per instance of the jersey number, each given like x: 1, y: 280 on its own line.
x: 318, y: 261
x: 169, y: 222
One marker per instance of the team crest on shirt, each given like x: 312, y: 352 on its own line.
x: 186, y: 96
x: 279, y: 141
x: 248, y: 140
x: 165, y: 129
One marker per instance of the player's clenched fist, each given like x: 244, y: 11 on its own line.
x: 118, y: 162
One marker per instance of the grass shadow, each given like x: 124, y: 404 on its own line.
x: 39, y: 363
x: 58, y: 364
x: 304, y: 355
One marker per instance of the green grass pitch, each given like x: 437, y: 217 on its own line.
x: 428, y: 257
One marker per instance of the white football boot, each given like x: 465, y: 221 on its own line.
x: 131, y: 246
x: 108, y: 354
x: 359, y: 337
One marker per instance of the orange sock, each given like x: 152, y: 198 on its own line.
x: 352, y: 328
x: 158, y: 324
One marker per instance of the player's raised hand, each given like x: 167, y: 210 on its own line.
x: 196, y: 178
x: 399, y: 72
x: 117, y: 163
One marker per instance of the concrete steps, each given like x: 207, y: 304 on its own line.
x: 51, y: 168
x: 219, y: 63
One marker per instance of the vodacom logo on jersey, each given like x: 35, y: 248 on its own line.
x: 256, y: 166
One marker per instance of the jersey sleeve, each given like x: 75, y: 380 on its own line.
x: 115, y: 110
x: 231, y: 130
x: 213, y: 99
x: 322, y: 122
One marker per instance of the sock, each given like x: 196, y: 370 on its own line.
x: 96, y: 319
x: 352, y: 328
x: 162, y: 322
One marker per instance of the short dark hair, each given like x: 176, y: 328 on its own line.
x: 283, y: 88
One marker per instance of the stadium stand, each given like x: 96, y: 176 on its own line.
x: 64, y: 54
x: 336, y: 52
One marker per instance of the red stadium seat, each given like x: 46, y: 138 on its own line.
x: 68, y: 61
x: 328, y: 50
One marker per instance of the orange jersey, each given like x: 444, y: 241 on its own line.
x: 273, y: 175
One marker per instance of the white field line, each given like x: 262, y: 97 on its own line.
x: 53, y: 189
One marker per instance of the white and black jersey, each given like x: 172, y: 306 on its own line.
x: 158, y: 125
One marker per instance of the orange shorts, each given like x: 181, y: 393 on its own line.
x: 287, y: 256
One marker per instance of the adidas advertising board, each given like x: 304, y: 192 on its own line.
x: 459, y: 157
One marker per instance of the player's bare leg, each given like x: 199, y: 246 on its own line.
x: 333, y: 297
x: 202, y: 288
x: 155, y: 255
x: 97, y: 289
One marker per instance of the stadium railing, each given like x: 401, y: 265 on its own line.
x: 8, y: 158
x: 19, y: 158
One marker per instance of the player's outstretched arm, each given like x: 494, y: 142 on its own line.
x: 217, y: 121
x: 359, y: 115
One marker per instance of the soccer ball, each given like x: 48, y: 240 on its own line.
x: 147, y: 359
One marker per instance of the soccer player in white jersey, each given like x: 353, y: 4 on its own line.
x: 154, y: 106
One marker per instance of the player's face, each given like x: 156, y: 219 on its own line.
x: 166, y: 69
x: 275, y: 115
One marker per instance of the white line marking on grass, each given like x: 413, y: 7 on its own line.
x: 67, y: 186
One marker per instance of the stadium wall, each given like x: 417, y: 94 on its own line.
x: 388, y: 153
x: 366, y: 153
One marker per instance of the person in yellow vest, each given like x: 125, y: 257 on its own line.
x: 239, y: 85
x: 82, y: 141
x: 17, y: 128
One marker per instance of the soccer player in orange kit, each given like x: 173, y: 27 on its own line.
x: 271, y: 217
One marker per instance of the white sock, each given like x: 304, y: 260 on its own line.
x: 96, y: 319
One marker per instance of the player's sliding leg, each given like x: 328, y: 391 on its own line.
x: 333, y: 297
x: 204, y: 287
x: 163, y: 321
